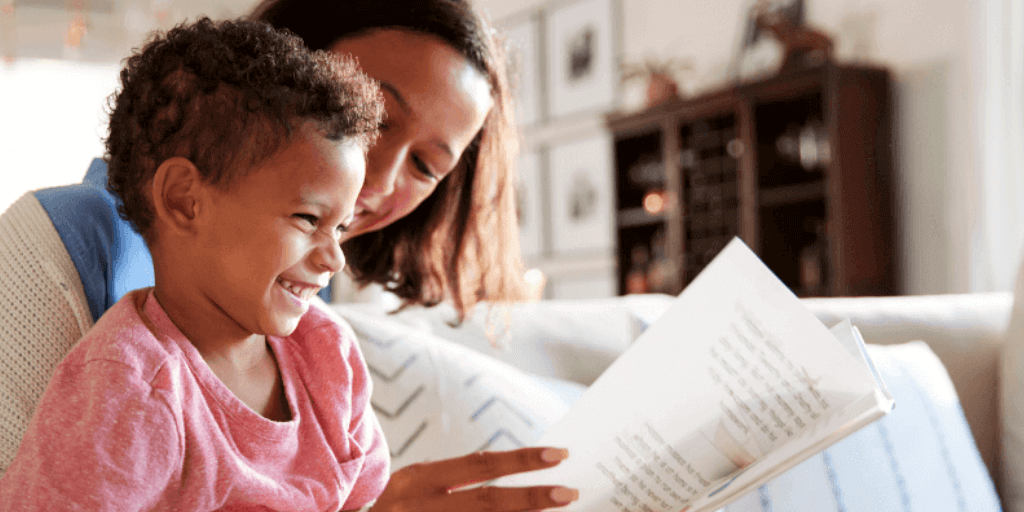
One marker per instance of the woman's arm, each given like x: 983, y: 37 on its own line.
x: 441, y: 485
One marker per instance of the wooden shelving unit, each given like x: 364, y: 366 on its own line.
x: 798, y: 166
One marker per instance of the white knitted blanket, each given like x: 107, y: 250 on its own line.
x: 43, y: 312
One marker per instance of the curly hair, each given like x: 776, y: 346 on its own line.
x: 227, y: 96
x: 460, y: 244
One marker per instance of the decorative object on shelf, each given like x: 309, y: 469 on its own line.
x: 636, y: 279
x: 807, y: 145
x: 648, y: 177
x: 529, y: 209
x: 813, y: 258
x: 8, y: 31
x: 581, y: 57
x: 523, y: 41
x: 655, y: 202
x: 776, y: 40
x: 662, y: 271
x: 660, y: 77
x: 581, y: 193
x: 802, y: 45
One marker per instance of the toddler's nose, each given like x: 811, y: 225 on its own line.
x: 329, y: 256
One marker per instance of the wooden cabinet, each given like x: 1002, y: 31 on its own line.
x: 798, y: 166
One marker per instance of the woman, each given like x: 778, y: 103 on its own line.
x: 435, y: 219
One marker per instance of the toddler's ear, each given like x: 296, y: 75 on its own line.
x: 176, y: 194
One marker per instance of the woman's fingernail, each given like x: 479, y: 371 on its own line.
x: 554, y: 454
x: 563, y: 495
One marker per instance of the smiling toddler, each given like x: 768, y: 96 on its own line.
x: 238, y: 155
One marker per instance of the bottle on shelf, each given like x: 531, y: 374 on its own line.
x: 662, y: 273
x: 813, y: 259
x: 636, y: 278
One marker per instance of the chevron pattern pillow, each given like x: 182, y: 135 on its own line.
x: 436, y: 399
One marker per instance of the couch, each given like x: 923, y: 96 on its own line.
x: 437, y: 386
x: 569, y: 343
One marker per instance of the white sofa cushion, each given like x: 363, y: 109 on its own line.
x: 1011, y: 397
x: 920, y: 457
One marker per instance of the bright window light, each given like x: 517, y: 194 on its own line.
x: 52, y: 122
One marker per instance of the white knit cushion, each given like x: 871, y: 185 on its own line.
x: 1011, y: 381
x: 43, y: 312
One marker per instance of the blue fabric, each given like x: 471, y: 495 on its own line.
x: 111, y: 258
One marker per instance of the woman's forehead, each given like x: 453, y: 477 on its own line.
x: 429, y: 80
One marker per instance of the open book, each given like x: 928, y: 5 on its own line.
x: 736, y: 383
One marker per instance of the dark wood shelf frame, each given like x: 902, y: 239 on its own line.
x: 725, y: 176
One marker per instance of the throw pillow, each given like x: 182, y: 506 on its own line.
x: 572, y: 340
x: 921, y: 456
x: 437, y: 400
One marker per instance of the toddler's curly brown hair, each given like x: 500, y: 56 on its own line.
x: 227, y: 95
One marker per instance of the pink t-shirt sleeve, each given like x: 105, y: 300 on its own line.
x: 101, y: 439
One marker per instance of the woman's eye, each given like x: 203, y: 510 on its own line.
x: 311, y: 219
x: 423, y: 168
x: 383, y: 126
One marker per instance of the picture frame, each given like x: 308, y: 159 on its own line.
x: 529, y: 206
x: 581, y: 196
x: 523, y: 46
x: 581, y: 55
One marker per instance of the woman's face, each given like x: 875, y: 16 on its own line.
x: 435, y: 103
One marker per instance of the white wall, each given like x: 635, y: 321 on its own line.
x: 933, y: 49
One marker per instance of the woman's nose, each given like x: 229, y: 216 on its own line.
x: 383, y: 168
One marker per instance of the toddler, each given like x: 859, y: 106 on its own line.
x: 238, y: 154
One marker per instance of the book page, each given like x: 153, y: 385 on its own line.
x: 735, y: 368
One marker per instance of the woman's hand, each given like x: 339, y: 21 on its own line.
x: 440, y: 486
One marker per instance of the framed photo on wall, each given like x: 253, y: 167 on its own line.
x: 580, y: 176
x: 523, y: 40
x: 581, y: 57
x: 529, y: 206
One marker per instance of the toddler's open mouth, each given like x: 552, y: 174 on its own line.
x: 301, y: 291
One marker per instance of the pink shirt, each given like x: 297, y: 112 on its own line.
x: 134, y: 419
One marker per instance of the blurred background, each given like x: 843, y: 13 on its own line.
x: 594, y: 75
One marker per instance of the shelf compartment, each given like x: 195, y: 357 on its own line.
x: 790, y: 194
x: 633, y: 217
